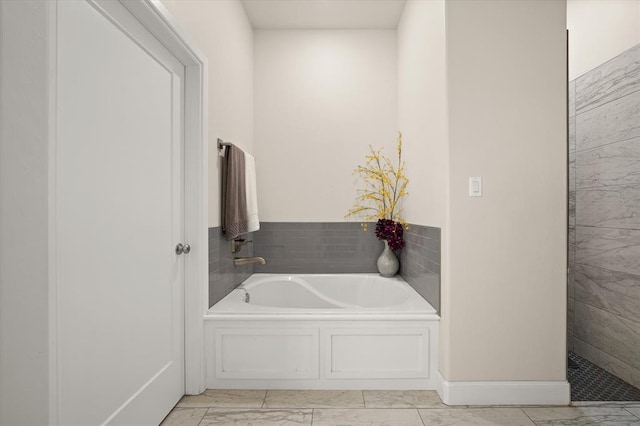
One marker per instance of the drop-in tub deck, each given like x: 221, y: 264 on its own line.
x: 333, y: 331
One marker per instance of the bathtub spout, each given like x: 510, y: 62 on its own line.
x: 239, y: 261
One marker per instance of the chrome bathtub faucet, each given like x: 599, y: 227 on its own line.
x: 239, y: 261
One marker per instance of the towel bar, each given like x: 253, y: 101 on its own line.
x: 222, y: 144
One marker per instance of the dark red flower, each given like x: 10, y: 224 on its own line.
x: 391, y: 232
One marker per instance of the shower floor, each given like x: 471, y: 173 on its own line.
x: 591, y: 383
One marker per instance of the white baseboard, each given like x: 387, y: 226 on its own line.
x: 505, y: 393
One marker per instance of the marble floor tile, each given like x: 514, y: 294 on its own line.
x: 314, y: 399
x: 615, y: 78
x: 578, y: 416
x: 402, y: 399
x: 369, y: 417
x: 615, y: 292
x: 475, y: 416
x: 184, y: 417
x: 612, y: 122
x: 613, y: 249
x: 608, y: 165
x: 257, y: 417
x: 225, y: 398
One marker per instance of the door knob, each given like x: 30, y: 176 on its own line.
x: 183, y: 248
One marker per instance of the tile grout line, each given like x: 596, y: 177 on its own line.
x: 604, y: 187
x: 576, y: 150
x: 605, y: 269
x: 421, y: 419
x: 609, y: 61
x: 204, y: 415
x: 602, y: 104
x: 525, y: 413
x: 634, y: 415
x: 615, y: 314
x: 593, y: 104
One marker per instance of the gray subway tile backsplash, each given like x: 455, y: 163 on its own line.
x: 316, y: 247
x: 420, y: 262
x: 223, y: 275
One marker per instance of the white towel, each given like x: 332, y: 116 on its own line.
x: 252, y: 193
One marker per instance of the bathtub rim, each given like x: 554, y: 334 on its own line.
x: 323, y: 316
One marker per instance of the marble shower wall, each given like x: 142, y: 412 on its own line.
x: 572, y: 215
x: 604, y: 216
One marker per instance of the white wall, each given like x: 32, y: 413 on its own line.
x: 504, y: 303
x: 222, y: 31
x: 422, y: 112
x: 24, y: 213
x: 321, y: 97
x: 422, y: 116
x: 600, y: 30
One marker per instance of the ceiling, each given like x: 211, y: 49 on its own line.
x: 323, y: 14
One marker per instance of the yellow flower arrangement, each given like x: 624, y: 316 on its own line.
x: 384, y: 187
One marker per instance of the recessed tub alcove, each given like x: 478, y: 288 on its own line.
x: 322, y: 331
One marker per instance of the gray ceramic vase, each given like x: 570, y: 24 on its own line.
x: 388, y: 263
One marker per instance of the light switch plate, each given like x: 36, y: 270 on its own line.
x: 475, y: 186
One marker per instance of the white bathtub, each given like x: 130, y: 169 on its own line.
x: 319, y: 294
x: 338, y: 331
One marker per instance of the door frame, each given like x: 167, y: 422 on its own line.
x: 157, y: 20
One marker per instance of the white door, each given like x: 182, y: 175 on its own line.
x: 119, y: 186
